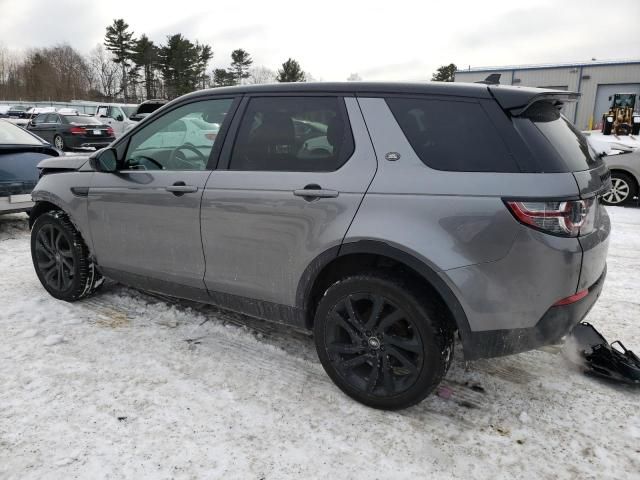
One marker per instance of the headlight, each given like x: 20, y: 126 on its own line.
x: 636, y: 119
x: 610, y: 119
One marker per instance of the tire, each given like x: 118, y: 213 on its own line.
x: 389, y: 360
x: 61, y: 258
x: 623, y: 191
x: 58, y: 142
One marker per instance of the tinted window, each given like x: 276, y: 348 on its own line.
x: 452, y: 135
x: 297, y: 134
x: 182, y: 139
x: 570, y: 144
x: 82, y: 120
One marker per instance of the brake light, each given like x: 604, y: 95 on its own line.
x: 78, y: 130
x: 567, y: 218
x: 110, y: 131
x: 572, y: 299
x: 210, y: 136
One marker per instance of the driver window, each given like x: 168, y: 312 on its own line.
x: 182, y: 139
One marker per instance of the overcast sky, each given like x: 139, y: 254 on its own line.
x: 390, y: 40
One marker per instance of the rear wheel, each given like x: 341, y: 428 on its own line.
x: 61, y: 258
x: 58, y: 142
x: 624, y: 188
x: 381, y: 341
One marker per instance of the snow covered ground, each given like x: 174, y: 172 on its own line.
x: 125, y: 385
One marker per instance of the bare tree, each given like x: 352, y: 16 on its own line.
x: 106, y: 71
x: 261, y: 74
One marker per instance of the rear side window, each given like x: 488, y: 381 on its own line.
x: 452, y: 135
x: 569, y: 143
x: 296, y: 134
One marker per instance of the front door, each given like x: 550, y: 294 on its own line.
x: 297, y: 173
x: 145, y: 218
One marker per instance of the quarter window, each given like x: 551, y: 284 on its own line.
x: 452, y: 135
x: 182, y: 139
x: 298, y: 134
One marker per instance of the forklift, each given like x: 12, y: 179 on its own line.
x: 621, y: 119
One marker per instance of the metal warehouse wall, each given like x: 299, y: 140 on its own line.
x: 578, y: 78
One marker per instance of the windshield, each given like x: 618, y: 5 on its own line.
x: 12, y: 135
x: 82, y: 120
x: 128, y: 111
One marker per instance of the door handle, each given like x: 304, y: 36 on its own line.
x: 180, y: 188
x: 313, y: 191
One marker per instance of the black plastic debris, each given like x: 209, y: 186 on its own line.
x: 612, y: 361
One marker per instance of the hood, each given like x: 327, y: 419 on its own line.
x: 60, y: 164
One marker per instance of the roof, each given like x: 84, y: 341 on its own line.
x: 543, y: 66
x: 509, y: 97
x: 354, y: 88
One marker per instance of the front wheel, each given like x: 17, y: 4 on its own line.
x: 624, y: 188
x: 61, y: 258
x: 381, y: 341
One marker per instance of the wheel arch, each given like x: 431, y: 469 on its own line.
x: 354, y: 257
x: 628, y: 173
x: 41, y: 207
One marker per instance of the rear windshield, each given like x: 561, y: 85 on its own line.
x: 569, y: 143
x: 148, y: 108
x: 452, y: 135
x: 82, y: 120
x: 128, y: 111
x: 12, y: 135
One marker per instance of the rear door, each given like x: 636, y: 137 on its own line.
x: 279, y: 198
x: 145, y: 218
x: 45, y: 128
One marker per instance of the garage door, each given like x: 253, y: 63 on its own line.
x: 603, y: 93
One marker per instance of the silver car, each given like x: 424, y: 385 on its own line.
x: 431, y: 210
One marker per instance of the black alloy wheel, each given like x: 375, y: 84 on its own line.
x: 373, y: 344
x: 384, y: 340
x: 61, y: 258
x: 54, y: 257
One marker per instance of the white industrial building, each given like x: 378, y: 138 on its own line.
x: 595, y: 80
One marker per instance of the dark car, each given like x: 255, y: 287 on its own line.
x: 18, y: 111
x: 72, y: 130
x: 20, y: 153
x: 146, y: 108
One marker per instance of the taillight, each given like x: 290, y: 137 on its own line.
x: 110, y: 131
x: 78, y: 130
x: 568, y: 218
x: 210, y: 136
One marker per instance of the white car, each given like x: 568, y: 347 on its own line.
x: 622, y: 155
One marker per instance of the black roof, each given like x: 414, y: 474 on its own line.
x: 434, y: 88
x: 508, y: 96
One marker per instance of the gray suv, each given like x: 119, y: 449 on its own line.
x: 385, y: 218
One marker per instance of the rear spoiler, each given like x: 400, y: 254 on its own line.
x: 517, y: 100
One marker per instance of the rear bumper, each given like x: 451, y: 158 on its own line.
x: 554, y: 324
x: 78, y: 141
x: 15, y: 203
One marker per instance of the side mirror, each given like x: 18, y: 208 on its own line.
x: 105, y: 160
x: 119, y: 118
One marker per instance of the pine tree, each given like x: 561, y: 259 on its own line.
x: 223, y: 78
x: 241, y: 61
x: 446, y: 73
x: 183, y: 64
x: 291, y: 72
x: 120, y: 42
x: 146, y: 57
